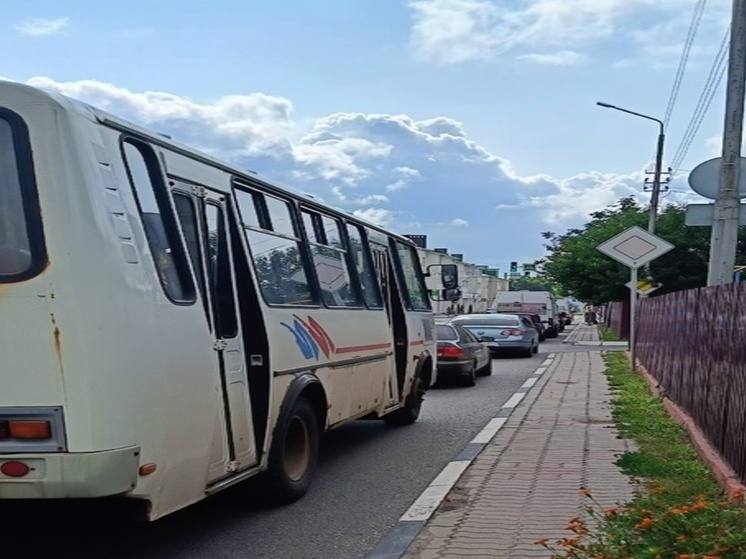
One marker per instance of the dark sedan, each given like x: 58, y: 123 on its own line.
x: 461, y: 355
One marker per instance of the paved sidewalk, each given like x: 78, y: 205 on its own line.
x: 525, y: 485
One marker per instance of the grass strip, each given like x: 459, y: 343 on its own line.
x: 680, y: 512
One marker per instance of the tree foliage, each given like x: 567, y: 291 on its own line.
x: 575, y: 264
x: 533, y: 284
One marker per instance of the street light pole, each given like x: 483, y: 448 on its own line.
x: 655, y: 196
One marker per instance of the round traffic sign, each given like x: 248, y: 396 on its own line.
x: 705, y: 178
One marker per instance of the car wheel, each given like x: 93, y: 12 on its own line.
x: 528, y: 352
x: 471, y: 378
x: 536, y: 348
x: 486, y: 370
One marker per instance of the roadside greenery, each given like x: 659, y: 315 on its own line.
x: 679, y: 512
x: 575, y: 265
x: 607, y: 334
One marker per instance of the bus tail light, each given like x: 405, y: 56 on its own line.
x: 30, y: 429
x: 14, y: 469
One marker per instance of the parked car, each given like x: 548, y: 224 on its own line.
x: 461, y: 354
x: 502, y: 332
x: 538, y: 324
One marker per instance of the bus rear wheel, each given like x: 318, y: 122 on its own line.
x: 409, y: 413
x: 294, y: 455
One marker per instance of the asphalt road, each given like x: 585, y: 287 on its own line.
x: 369, y: 475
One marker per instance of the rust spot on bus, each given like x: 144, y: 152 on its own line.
x: 57, y: 341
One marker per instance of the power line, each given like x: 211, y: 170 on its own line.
x: 699, y: 9
x: 703, y: 104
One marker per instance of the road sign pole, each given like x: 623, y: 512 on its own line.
x: 632, y: 313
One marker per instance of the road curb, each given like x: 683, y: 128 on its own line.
x: 396, y: 541
x: 725, y: 475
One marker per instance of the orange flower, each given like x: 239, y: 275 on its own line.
x: 585, y: 492
x: 737, y: 494
x: 685, y: 556
x: 610, y: 512
x: 644, y: 524
x: 541, y: 541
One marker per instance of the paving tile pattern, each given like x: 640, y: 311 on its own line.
x: 526, y: 484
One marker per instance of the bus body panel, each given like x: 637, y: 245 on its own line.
x: 138, y: 377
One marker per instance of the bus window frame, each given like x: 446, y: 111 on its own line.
x: 368, y: 257
x: 165, y: 204
x: 404, y: 289
x: 33, y: 222
x: 262, y: 213
x: 321, y: 240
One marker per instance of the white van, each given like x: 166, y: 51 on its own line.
x: 542, y: 303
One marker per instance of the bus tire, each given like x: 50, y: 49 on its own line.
x: 409, y: 413
x: 294, y: 455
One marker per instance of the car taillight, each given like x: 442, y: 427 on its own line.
x: 512, y: 332
x: 451, y: 351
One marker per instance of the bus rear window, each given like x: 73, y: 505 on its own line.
x: 20, y: 253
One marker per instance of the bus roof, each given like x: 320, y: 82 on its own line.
x: 90, y: 112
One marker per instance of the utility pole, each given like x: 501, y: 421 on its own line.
x: 724, y: 239
x: 655, y: 196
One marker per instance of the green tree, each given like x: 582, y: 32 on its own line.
x: 575, y: 264
x: 540, y: 283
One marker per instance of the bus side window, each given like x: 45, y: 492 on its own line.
x: 275, y: 248
x: 187, y: 215
x: 219, y: 271
x: 158, y: 220
x: 411, y: 274
x: 360, y: 251
x: 329, y: 255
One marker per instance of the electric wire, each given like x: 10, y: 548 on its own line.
x: 699, y: 9
x: 712, y: 83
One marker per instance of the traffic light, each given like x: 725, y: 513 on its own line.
x: 513, y: 267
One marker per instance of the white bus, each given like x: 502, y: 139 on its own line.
x: 171, y: 325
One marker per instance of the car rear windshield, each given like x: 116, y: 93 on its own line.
x: 502, y: 321
x: 19, y: 250
x: 446, y: 333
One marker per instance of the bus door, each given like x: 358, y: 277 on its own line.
x: 224, y: 315
x: 395, y: 311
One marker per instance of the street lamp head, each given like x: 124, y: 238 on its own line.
x: 605, y: 105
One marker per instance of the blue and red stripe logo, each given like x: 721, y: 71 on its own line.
x: 310, y: 337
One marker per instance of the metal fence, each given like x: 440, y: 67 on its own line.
x: 694, y: 343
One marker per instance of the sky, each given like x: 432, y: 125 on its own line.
x: 473, y: 122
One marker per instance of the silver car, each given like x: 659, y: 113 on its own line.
x: 502, y: 332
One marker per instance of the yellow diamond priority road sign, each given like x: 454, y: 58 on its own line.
x: 635, y: 247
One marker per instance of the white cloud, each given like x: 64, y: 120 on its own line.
x: 356, y: 159
x: 560, y: 58
x: 41, y: 27
x: 371, y: 199
x: 377, y: 216
x: 336, y: 158
x: 233, y: 125
x: 456, y: 31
